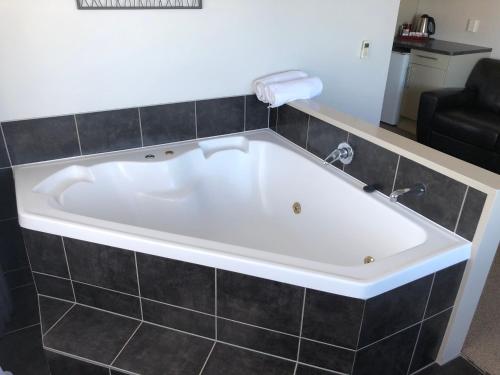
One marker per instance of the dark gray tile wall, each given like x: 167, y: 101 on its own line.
x: 429, y: 340
x: 444, y: 196
x: 90, y: 133
x: 13, y: 254
x: 8, y: 208
x: 41, y: 139
x: 256, y: 113
x: 220, y: 116
x: 389, y: 356
x: 326, y: 356
x: 179, y: 318
x: 177, y: 283
x: 332, y: 332
x: 322, y: 138
x: 46, y: 253
x: 471, y: 213
x: 293, y: 124
x: 4, y: 157
x: 54, y: 286
x: 394, y: 310
x: 265, y: 303
x: 109, y: 130
x: 258, y: 339
x: 332, y: 318
x: 100, y: 265
x: 168, y: 123
x: 373, y: 164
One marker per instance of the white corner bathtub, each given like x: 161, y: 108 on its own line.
x: 227, y: 202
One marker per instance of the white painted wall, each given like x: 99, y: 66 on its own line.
x: 451, y: 19
x: 57, y: 60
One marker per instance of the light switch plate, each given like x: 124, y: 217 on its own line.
x: 473, y: 25
x: 365, y: 47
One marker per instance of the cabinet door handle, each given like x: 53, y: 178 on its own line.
x: 428, y: 57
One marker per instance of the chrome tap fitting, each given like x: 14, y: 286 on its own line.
x: 344, y: 153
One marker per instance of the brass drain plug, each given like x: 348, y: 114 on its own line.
x: 369, y: 260
x: 297, y: 208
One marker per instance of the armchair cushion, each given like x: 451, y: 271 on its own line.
x: 474, y: 126
x: 485, y: 82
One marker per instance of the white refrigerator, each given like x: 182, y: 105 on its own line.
x: 396, y: 82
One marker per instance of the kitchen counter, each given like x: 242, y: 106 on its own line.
x: 439, y: 46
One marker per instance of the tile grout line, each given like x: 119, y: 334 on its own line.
x: 421, y: 324
x: 208, y: 357
x: 126, y: 343
x: 215, y: 306
x: 78, y: 134
x: 16, y: 269
x: 266, y: 329
x: 6, y: 146
x: 307, y: 132
x: 55, y: 298
x: 138, y: 284
x: 323, y: 369
x: 140, y: 126
x: 67, y: 266
x: 34, y: 283
x: 82, y: 359
x: 396, y: 173
x: 58, y: 320
x: 389, y: 336
x: 177, y: 307
x: 19, y: 329
x: 461, y: 209
x: 324, y: 343
x: 244, y: 112
x: 195, y: 120
x: 301, y: 326
x: 359, y: 336
x: 423, y: 368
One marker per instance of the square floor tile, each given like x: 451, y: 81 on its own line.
x: 156, y: 350
x: 63, y: 365
x: 91, y: 334
x: 227, y: 359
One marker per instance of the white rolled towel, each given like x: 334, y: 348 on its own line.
x: 284, y: 92
x: 260, y: 84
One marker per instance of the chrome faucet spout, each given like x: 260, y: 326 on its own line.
x: 418, y: 190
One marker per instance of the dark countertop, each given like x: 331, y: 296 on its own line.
x: 440, y: 46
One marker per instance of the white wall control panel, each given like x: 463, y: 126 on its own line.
x: 473, y: 25
x: 365, y: 47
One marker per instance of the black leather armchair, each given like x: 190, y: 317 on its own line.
x: 465, y: 123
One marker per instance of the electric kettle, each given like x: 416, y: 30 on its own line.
x: 427, y: 25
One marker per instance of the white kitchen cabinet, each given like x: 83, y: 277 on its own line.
x: 432, y: 71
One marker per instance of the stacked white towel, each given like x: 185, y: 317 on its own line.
x: 284, y: 92
x: 281, y: 88
x: 260, y: 84
x: 2, y: 372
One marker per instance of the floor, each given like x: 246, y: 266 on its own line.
x: 22, y: 354
x: 406, y: 128
x: 483, y: 343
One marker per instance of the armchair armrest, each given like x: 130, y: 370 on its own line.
x: 432, y: 101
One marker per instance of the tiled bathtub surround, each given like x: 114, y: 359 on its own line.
x: 124, y: 310
x: 91, y: 133
x: 447, y: 202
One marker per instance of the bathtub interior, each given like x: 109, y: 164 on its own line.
x: 238, y: 191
